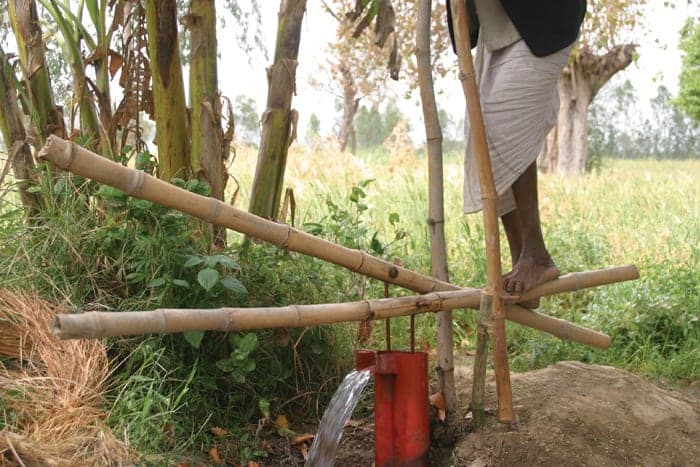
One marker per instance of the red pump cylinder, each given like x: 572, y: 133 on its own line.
x: 401, y: 409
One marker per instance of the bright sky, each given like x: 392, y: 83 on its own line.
x: 659, y: 63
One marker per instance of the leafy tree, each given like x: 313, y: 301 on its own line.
x: 360, y: 54
x: 689, y: 79
x: 373, y: 126
x: 247, y: 119
x: 617, y: 127
x: 602, y: 51
x: 313, y: 130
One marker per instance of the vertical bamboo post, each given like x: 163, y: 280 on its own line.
x: 489, y: 198
x: 436, y: 209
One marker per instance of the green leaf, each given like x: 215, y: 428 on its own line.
x: 233, y: 284
x: 227, y: 262
x: 157, y: 282
x: 94, y: 11
x: 393, y: 218
x: 110, y: 192
x: 238, y: 377
x: 264, y: 406
x: 376, y: 246
x: 226, y: 365
x: 248, y: 343
x: 181, y: 283
x: 248, y: 366
x: 193, y: 261
x: 34, y: 189
x: 209, y: 261
x: 208, y: 278
x: 134, y: 277
x: 194, y: 338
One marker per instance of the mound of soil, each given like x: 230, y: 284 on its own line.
x: 576, y: 414
x: 568, y: 414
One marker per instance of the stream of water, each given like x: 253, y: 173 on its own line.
x: 325, y: 445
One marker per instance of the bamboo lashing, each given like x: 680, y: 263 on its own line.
x: 85, y: 163
x: 105, y: 324
x: 489, y: 198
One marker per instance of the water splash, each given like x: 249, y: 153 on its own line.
x: 325, y: 445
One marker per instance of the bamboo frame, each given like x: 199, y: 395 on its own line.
x: 436, y: 209
x: 104, y: 324
x: 83, y: 162
x: 489, y: 197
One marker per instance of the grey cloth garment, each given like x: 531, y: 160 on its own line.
x: 497, y: 29
x: 519, y: 102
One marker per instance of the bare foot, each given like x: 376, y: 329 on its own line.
x: 528, y: 273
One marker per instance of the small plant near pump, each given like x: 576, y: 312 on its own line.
x: 240, y: 361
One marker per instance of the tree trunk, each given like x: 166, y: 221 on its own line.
x: 47, y: 118
x: 15, y: 137
x: 547, y: 159
x: 172, y: 135
x: 350, y: 105
x: 279, y: 120
x: 436, y: 209
x: 208, y: 146
x: 578, y: 84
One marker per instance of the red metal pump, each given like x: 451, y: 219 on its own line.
x: 401, y: 406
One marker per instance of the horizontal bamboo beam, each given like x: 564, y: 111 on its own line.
x: 69, y: 156
x: 103, y: 324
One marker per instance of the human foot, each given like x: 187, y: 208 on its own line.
x: 526, y: 274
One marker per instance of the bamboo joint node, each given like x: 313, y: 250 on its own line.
x: 135, y: 183
x: 362, y: 262
x: 214, y: 207
x: 370, y: 310
x: 285, y: 243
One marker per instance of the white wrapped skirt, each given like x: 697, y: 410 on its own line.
x: 519, y: 102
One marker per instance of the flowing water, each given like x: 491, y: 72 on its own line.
x: 338, y: 412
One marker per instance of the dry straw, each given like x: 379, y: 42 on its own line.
x: 53, y: 392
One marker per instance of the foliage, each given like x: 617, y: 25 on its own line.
x: 609, y: 23
x: 373, y: 127
x: 619, y: 129
x: 313, y: 131
x: 96, y: 248
x: 247, y: 120
x: 689, y: 79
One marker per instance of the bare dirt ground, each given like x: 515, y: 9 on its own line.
x: 568, y: 414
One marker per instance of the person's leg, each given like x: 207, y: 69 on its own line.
x: 514, y: 234
x: 534, y: 265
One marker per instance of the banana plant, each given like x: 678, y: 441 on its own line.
x: 74, y: 34
x: 46, y: 117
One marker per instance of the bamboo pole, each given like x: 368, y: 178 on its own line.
x: 436, y: 209
x: 104, y: 324
x: 489, y: 197
x: 69, y: 156
x: 480, y: 362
